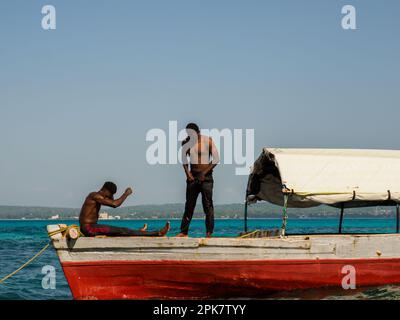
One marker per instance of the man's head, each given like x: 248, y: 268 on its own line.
x: 192, y: 127
x: 109, y: 188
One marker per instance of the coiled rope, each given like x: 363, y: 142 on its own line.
x: 66, y: 230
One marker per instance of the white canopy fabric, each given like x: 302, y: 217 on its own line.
x: 328, y: 176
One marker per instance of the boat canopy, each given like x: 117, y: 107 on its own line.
x: 335, y: 177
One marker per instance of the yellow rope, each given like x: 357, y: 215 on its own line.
x: 26, y: 263
x: 66, y: 229
x: 249, y: 234
x: 61, y: 230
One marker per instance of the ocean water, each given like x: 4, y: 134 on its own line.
x: 20, y: 240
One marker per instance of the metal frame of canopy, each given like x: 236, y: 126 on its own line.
x: 342, y: 208
x: 286, y: 193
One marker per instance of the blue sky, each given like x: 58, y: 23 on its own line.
x: 76, y: 102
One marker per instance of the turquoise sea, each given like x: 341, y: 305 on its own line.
x: 20, y: 240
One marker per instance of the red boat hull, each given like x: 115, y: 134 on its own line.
x: 218, y: 279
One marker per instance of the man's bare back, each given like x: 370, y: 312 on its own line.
x: 93, y: 202
x: 90, y: 215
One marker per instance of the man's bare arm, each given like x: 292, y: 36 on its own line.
x: 215, y: 157
x: 185, y: 162
x: 113, y: 203
x: 189, y: 175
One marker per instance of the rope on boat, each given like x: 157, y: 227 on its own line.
x: 66, y: 230
x: 247, y: 235
x: 25, y: 264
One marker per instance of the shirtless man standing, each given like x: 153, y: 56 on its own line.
x: 90, y: 215
x: 200, y: 149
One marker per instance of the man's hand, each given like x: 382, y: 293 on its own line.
x: 128, y: 191
x: 190, y: 177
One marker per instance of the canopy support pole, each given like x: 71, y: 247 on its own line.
x: 284, y: 217
x: 246, y: 205
x: 341, y: 218
x: 397, y: 218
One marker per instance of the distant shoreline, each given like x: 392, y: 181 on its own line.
x: 177, y: 219
x: 174, y: 211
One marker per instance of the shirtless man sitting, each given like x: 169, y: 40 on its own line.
x: 90, y: 215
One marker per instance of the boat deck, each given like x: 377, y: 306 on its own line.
x: 170, y: 267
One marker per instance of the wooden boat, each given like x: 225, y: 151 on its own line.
x: 199, y: 268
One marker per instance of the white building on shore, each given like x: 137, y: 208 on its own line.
x: 107, y: 216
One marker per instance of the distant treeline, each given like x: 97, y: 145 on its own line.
x: 170, y: 211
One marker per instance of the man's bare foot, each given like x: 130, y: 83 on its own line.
x: 182, y: 235
x: 144, y: 227
x: 165, y: 230
x: 208, y: 235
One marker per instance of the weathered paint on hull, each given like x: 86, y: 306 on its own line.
x: 218, y: 279
x: 198, y: 268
